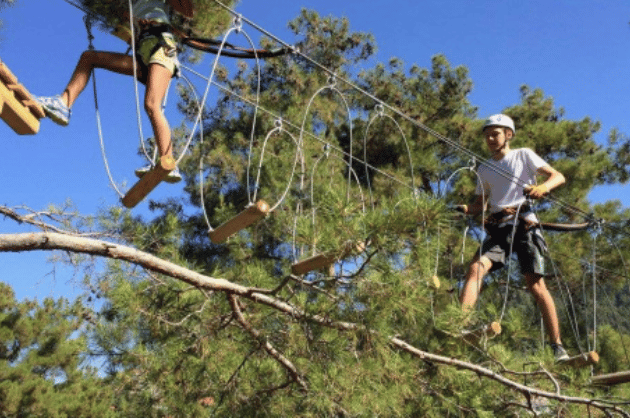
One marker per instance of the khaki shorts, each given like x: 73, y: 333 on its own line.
x: 166, y: 55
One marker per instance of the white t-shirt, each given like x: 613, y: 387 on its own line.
x: 504, y: 190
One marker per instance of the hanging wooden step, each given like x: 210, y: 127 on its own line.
x: 486, y: 332
x: 582, y: 360
x: 122, y: 32
x: 611, y: 378
x: 324, y: 261
x: 17, y: 107
x: 149, y: 181
x: 241, y: 221
x: 475, y: 336
x: 317, y: 262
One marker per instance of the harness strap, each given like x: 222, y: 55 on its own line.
x: 493, y: 221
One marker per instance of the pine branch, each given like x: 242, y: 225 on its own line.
x: 55, y: 241
x: 270, y: 349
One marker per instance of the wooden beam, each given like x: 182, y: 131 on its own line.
x: 582, y: 360
x: 149, y: 181
x: 17, y: 107
x: 611, y: 378
x: 241, y: 221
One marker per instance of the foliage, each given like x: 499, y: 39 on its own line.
x: 172, y: 349
x: 42, y: 347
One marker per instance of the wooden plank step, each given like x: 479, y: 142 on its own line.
x: 582, y: 360
x: 17, y: 107
x: 611, y: 379
x: 148, y: 182
x: 322, y: 261
x: 316, y: 262
x: 488, y: 331
x: 241, y: 221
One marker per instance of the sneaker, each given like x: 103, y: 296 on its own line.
x: 55, y: 109
x: 559, y: 353
x: 173, y: 177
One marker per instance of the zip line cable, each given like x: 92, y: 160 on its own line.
x: 297, y: 128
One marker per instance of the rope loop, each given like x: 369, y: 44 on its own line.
x: 278, y: 123
x: 326, y: 149
x: 332, y: 81
x: 238, y: 23
x: 380, y: 109
x: 87, y: 19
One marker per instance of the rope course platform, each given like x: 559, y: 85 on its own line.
x: 17, y: 107
x: 149, y: 181
x: 244, y: 219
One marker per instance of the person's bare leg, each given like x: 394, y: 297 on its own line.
x: 477, y: 270
x: 158, y: 79
x: 112, y: 61
x: 536, y: 285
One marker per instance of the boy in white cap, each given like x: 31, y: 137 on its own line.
x: 504, y: 182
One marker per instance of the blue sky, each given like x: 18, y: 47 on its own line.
x: 576, y: 51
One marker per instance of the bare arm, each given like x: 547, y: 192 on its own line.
x: 554, y: 178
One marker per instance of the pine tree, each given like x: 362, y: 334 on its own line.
x: 372, y: 334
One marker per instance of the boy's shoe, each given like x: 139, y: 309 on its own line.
x: 559, y: 353
x: 173, y: 177
x: 55, y: 109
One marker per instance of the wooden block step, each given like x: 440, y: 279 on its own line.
x: 582, y: 360
x: 17, y: 107
x: 148, y: 182
x: 241, y: 221
x: 611, y: 379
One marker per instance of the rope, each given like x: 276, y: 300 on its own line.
x: 278, y: 129
x: 288, y: 123
x: 510, y: 264
x: 594, y: 275
x: 88, y: 28
x: 381, y: 114
x: 135, y: 83
x: 332, y: 83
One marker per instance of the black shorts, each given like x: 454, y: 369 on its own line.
x: 529, y: 246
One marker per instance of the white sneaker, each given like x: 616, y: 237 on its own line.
x: 173, y: 177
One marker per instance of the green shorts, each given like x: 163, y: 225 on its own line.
x: 529, y: 246
x: 151, y: 52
